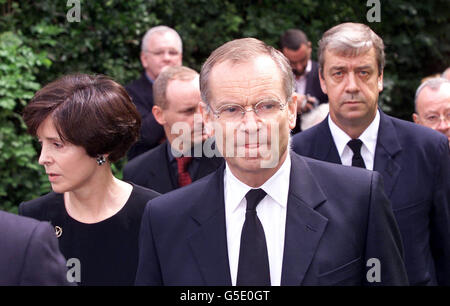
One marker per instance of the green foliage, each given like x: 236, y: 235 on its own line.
x: 20, y: 172
x: 107, y: 40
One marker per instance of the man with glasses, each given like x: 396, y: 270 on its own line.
x: 160, y: 47
x: 267, y: 216
x: 432, y: 103
x: 414, y: 161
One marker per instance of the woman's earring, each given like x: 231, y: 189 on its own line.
x: 101, y: 160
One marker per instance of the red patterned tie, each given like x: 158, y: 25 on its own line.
x: 183, y: 175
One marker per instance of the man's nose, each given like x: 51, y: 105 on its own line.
x: 443, y: 125
x: 299, y: 66
x: 352, y: 86
x: 250, y: 121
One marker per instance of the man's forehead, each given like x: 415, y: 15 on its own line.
x: 333, y: 57
x: 163, y: 39
x: 258, y: 73
x: 187, y: 84
x: 259, y: 65
x: 302, y: 51
x: 441, y: 94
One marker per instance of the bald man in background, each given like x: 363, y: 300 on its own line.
x: 432, y: 104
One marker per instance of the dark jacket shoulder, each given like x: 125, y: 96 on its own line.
x: 137, y: 169
x: 38, y: 208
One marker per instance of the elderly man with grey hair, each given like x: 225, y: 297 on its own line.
x: 267, y: 216
x: 413, y: 160
x: 160, y: 47
x: 432, y: 105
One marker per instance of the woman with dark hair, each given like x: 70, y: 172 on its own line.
x: 84, y: 123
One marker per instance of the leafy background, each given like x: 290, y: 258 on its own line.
x: 38, y: 44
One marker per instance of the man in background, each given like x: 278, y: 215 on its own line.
x: 160, y: 47
x: 297, y: 48
x: 174, y: 163
x: 432, y: 105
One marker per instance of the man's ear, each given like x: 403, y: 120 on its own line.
x: 158, y: 113
x: 416, y: 118
x: 207, y: 118
x: 143, y: 60
x: 323, y: 86
x: 380, y: 82
x: 292, y: 110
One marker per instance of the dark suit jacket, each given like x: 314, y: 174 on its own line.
x: 313, y: 89
x: 313, y: 84
x: 415, y: 164
x: 337, y: 218
x: 29, y: 253
x: 151, y: 134
x: 152, y: 169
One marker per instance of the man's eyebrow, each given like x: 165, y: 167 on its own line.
x: 338, y: 67
x: 364, y: 67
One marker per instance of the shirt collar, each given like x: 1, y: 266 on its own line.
x: 277, y: 186
x: 308, y: 67
x: 149, y: 78
x: 368, y: 137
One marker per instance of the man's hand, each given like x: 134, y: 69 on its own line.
x: 306, y: 103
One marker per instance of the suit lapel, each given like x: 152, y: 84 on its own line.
x: 209, y: 242
x: 388, y: 146
x: 206, y: 166
x: 324, y: 146
x: 159, y: 175
x: 304, y: 225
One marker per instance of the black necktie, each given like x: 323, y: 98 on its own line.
x: 253, y: 268
x: 357, y: 160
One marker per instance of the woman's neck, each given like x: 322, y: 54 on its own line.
x: 100, y: 198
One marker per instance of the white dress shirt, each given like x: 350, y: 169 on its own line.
x: 271, y: 212
x: 368, y: 138
x: 300, y: 82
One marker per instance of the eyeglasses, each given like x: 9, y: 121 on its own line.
x: 434, y: 120
x: 234, y: 112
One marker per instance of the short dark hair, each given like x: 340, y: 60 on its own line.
x: 293, y: 39
x: 91, y: 111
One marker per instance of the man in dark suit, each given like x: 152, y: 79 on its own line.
x: 297, y: 48
x: 267, y: 216
x: 29, y: 253
x: 414, y: 161
x: 161, y: 47
x: 176, y: 96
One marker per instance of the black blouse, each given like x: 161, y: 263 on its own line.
x: 107, y: 251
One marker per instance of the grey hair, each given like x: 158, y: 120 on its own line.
x: 434, y: 84
x: 161, y: 30
x: 243, y: 51
x: 351, y: 39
